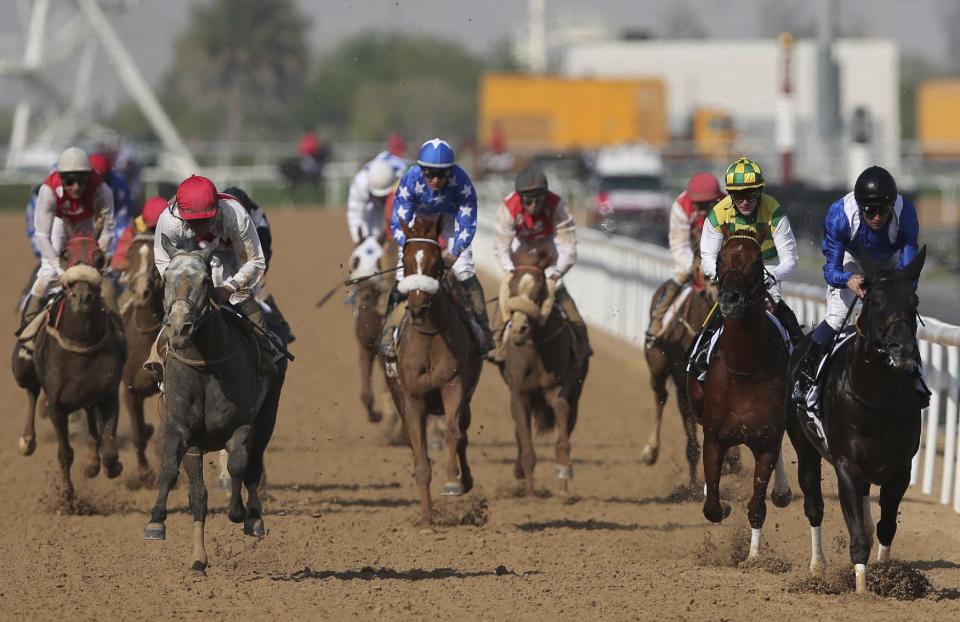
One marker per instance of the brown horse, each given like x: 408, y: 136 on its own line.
x: 541, y: 365
x: 79, y: 352
x: 666, y: 359
x: 438, y: 361
x: 142, y: 319
x: 742, y: 399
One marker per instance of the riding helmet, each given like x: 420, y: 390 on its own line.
x: 436, y: 153
x: 703, y: 187
x: 197, y: 198
x: 73, y: 160
x: 383, y: 177
x: 531, y: 179
x: 875, y: 187
x: 744, y: 174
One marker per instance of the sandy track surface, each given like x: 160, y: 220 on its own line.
x: 341, y: 507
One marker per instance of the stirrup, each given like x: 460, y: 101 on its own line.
x: 390, y: 367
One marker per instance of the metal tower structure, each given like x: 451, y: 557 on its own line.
x: 46, y: 116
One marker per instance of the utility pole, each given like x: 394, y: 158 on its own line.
x: 828, y: 98
x: 537, y: 36
x: 786, y: 112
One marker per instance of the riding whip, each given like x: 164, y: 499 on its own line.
x: 361, y: 279
x: 239, y: 314
x: 329, y: 294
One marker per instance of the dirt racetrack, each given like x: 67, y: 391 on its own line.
x: 341, y: 507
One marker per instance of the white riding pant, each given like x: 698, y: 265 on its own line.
x: 49, y: 273
x: 463, y: 267
x: 840, y: 298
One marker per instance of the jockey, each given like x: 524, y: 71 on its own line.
x: 435, y: 185
x: 533, y: 213
x: 747, y: 208
x: 72, y: 198
x: 368, y: 194
x: 144, y: 224
x: 199, y: 214
x: 687, y: 215
x: 122, y: 198
x: 259, y: 218
x: 31, y: 215
x: 891, y: 230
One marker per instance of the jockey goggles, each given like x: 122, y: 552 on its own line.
x: 529, y: 198
x: 873, y: 210
x: 70, y: 179
x: 433, y: 173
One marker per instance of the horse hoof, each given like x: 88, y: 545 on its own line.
x: 649, y: 455
x: 564, y: 471
x: 818, y: 567
x: 724, y: 509
x: 155, y: 531
x: 237, y: 514
x: 223, y: 483
x: 92, y: 470
x: 27, y: 447
x: 113, y: 469
x: 374, y: 416
x: 467, y: 482
x: 199, y: 567
x: 451, y: 489
x: 254, y: 528
x: 781, y: 499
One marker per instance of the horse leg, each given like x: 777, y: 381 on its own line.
x: 92, y: 466
x: 366, y: 384
x: 109, y: 411
x: 781, y: 495
x: 28, y: 440
x: 527, y: 457
x: 891, y: 493
x: 224, y: 481
x: 808, y: 473
x: 689, y: 427
x: 658, y: 382
x: 561, y: 410
x: 714, y: 509
x: 138, y: 429
x: 59, y: 418
x: 174, y: 448
x: 415, y: 416
x: 452, y: 396
x: 238, y: 458
x: 851, y: 502
x: 193, y: 466
x: 757, y: 508
x: 466, y: 476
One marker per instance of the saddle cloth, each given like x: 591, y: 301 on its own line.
x: 702, y: 350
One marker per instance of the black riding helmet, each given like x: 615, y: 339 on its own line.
x: 876, y: 188
x: 531, y: 180
x: 243, y: 197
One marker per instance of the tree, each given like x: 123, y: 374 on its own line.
x: 237, y: 67
x: 373, y: 83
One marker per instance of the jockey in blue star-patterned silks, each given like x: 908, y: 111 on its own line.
x: 436, y: 185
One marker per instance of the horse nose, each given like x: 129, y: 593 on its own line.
x: 186, y: 329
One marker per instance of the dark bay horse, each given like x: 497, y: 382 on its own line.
x: 369, y: 303
x: 870, y: 410
x: 438, y: 361
x: 741, y: 401
x: 142, y: 313
x: 666, y: 360
x: 78, y: 355
x: 215, y: 399
x: 541, y: 363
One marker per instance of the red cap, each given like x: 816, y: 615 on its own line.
x: 152, y: 210
x: 197, y: 198
x: 703, y: 187
x: 396, y: 144
x: 100, y: 163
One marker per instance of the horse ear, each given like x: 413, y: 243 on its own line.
x: 167, y: 244
x: 870, y: 265
x: 912, y: 270
x: 207, y: 252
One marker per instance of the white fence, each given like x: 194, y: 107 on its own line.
x: 615, y: 277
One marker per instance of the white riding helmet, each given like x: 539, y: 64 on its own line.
x: 382, y: 178
x: 73, y: 160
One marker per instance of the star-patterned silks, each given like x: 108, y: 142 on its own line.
x: 456, y: 200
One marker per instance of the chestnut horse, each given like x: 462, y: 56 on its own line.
x: 666, y: 359
x: 78, y: 354
x: 541, y: 363
x: 142, y: 314
x: 741, y: 401
x: 438, y: 361
x: 368, y: 295
x: 870, y: 411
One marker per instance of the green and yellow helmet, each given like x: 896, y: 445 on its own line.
x: 744, y: 174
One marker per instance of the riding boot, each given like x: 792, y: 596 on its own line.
x: 266, y: 366
x: 478, y: 305
x: 789, y: 322
x: 391, y: 321
x: 569, y: 307
x: 283, y: 321
x: 805, y: 375
x: 31, y: 309
x: 667, y: 295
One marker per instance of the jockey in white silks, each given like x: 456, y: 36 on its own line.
x: 367, y: 198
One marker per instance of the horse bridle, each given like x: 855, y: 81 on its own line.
x: 892, y: 320
x: 201, y: 313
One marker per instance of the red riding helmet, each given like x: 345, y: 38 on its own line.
x: 703, y: 187
x: 100, y: 163
x: 197, y: 198
x: 152, y: 210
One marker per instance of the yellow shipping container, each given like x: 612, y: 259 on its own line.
x: 938, y: 120
x: 544, y: 112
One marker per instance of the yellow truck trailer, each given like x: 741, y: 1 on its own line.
x: 938, y: 121
x: 553, y: 113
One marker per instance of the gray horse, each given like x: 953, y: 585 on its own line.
x: 215, y: 399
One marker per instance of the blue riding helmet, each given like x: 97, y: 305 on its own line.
x: 436, y: 153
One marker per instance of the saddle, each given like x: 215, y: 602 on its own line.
x: 458, y: 297
x: 675, y: 312
x: 704, y: 346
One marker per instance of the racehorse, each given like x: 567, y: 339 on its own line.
x: 870, y: 412
x: 666, y: 359
x: 215, y: 399
x: 741, y: 401
x: 142, y: 314
x: 78, y: 355
x: 438, y: 361
x: 368, y: 313
x: 542, y: 365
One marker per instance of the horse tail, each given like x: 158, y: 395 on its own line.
x: 544, y: 416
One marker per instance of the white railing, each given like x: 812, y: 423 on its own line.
x: 615, y: 277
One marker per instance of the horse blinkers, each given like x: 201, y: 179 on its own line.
x: 892, y: 332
